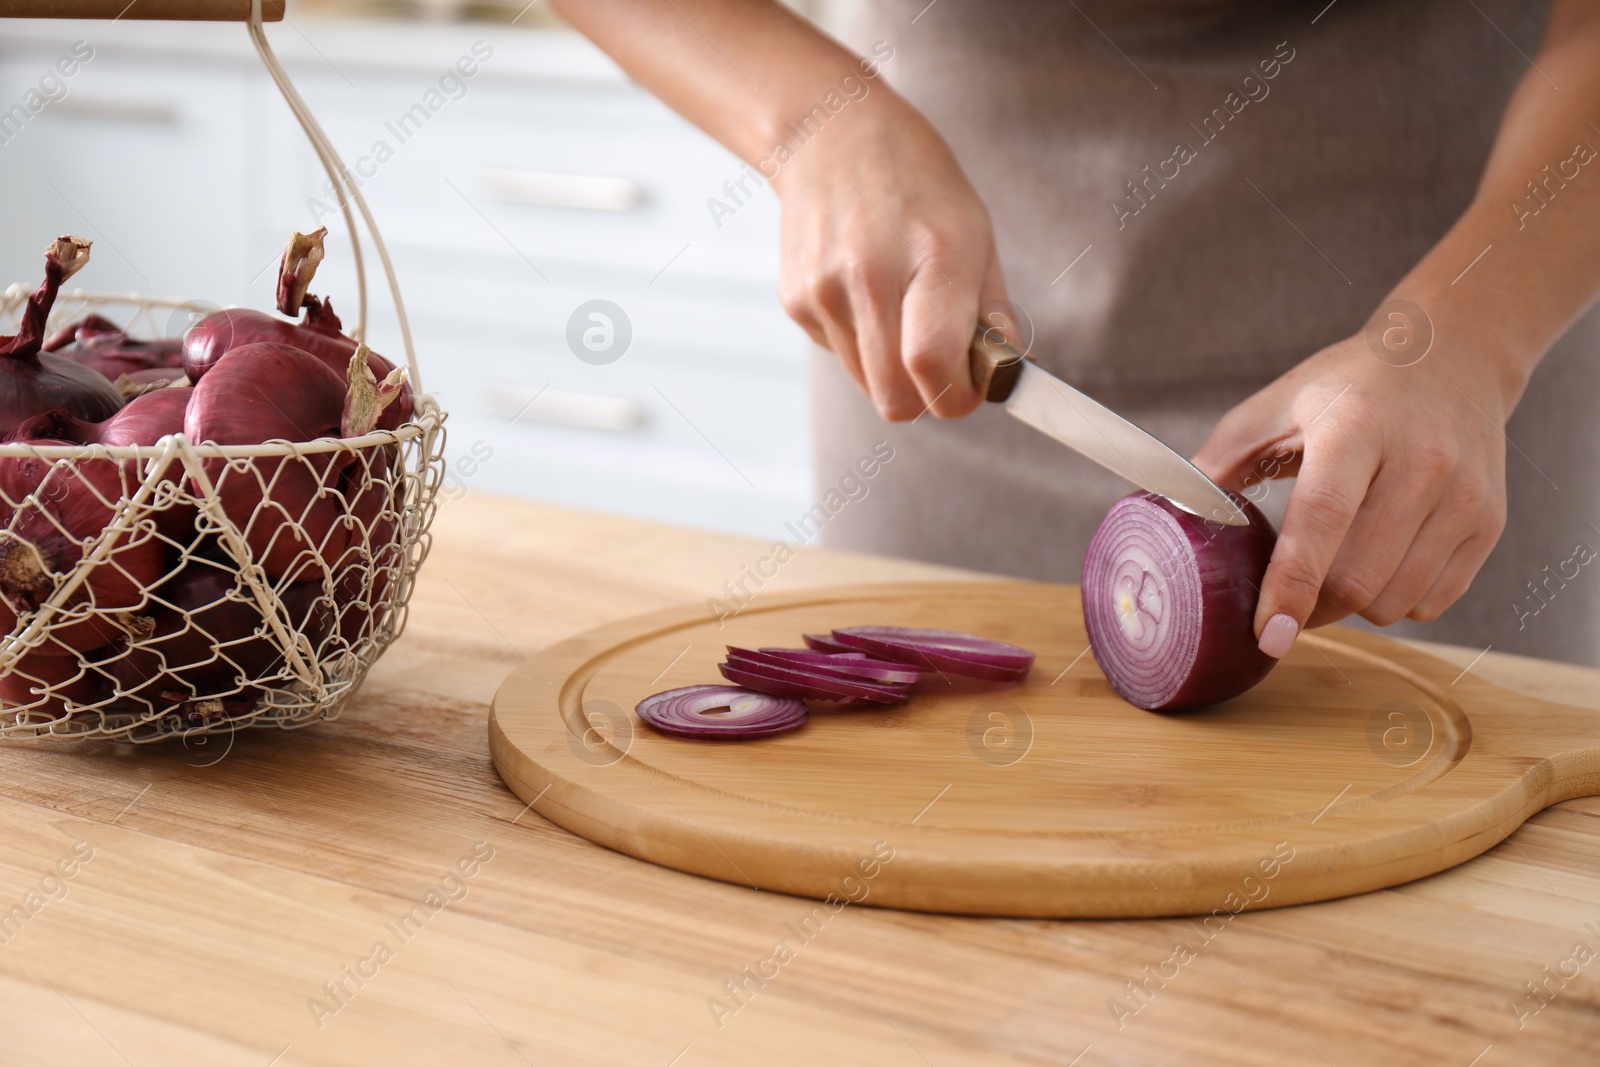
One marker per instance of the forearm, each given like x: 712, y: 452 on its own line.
x: 742, y: 71
x: 1524, y: 260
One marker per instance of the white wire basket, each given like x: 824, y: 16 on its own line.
x: 181, y: 589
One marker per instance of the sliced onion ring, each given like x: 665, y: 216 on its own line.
x: 808, y: 685
x: 898, y: 685
x: 824, y: 643
x: 725, y: 712
x: 1169, y: 602
x: 849, y: 664
x: 944, y: 650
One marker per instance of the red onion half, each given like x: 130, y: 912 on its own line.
x: 1169, y: 601
x: 32, y: 380
x: 721, y: 712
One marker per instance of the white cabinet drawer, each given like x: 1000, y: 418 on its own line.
x: 607, y: 177
x: 148, y: 162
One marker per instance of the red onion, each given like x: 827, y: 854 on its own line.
x: 751, y: 671
x: 361, y: 590
x: 68, y: 681
x: 319, y: 332
x: 144, y: 421
x: 269, y: 392
x: 943, y: 650
x: 843, y: 665
x: 53, y: 513
x: 372, y: 563
x: 1169, y: 601
x: 101, y: 344
x: 721, y: 712
x: 205, y: 647
x: 32, y: 380
x: 88, y: 327
x: 222, y: 331
x: 116, y: 358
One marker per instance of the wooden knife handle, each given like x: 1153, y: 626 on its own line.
x: 170, y: 10
x: 996, y: 364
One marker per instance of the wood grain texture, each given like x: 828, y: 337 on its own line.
x: 223, y: 892
x: 1355, y: 766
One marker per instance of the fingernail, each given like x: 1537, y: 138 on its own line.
x: 1278, y: 635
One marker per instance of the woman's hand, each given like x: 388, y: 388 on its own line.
x: 888, y: 256
x: 1401, y: 490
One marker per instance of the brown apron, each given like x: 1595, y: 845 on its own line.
x: 1319, y: 161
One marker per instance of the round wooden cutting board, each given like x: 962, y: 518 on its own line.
x: 1359, y: 763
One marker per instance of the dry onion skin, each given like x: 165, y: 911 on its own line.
x: 1169, y: 602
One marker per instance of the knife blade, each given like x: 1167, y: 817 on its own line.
x: 1033, y: 395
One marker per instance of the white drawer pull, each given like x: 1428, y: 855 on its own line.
x: 595, y: 411
x: 145, y: 112
x: 549, y: 189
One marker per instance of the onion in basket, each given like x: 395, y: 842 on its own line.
x: 319, y: 332
x: 100, y: 344
x: 204, y: 647
x: 52, y: 516
x: 145, y: 420
x: 57, y: 678
x: 290, y: 509
x: 32, y: 380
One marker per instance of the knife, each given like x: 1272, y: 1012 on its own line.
x: 1033, y: 395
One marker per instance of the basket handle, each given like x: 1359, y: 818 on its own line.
x: 339, y: 175
x: 171, y: 10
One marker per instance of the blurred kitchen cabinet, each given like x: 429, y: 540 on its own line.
x: 510, y: 198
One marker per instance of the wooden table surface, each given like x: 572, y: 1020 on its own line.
x: 367, y: 892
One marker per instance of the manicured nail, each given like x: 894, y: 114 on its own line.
x: 1278, y: 635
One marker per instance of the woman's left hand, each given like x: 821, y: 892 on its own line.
x: 1401, y: 491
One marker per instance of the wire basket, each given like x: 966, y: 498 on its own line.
x: 179, y: 588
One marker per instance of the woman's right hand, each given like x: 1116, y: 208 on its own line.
x: 889, y: 256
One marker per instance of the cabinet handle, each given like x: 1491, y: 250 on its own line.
x: 549, y: 189
x: 144, y: 112
x: 561, y: 407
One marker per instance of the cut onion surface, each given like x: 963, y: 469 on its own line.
x: 943, y: 650
x: 721, y: 712
x: 807, y: 684
x: 1169, y: 602
x: 850, y: 664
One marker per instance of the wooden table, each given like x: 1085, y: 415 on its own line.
x: 214, y: 892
